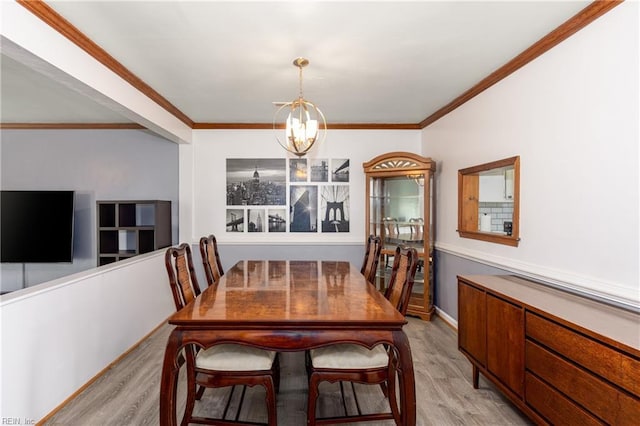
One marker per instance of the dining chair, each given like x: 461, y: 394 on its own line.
x: 417, y: 228
x: 211, y: 259
x: 417, y: 234
x: 391, y: 228
x: 348, y: 362
x: 221, y: 365
x: 371, y: 258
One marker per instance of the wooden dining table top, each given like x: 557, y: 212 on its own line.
x: 290, y: 294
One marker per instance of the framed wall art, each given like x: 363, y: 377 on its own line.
x: 296, y: 195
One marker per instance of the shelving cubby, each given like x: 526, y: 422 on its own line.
x: 129, y: 228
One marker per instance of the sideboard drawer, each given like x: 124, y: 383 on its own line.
x: 618, y: 368
x: 554, y: 406
x: 605, y: 401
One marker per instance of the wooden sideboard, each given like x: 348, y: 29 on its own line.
x: 561, y: 358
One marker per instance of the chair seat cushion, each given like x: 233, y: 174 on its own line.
x: 231, y: 357
x: 349, y: 356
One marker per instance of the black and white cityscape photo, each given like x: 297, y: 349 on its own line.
x: 304, y: 208
x: 256, y: 182
x: 298, y: 170
x: 255, y: 219
x: 319, y: 170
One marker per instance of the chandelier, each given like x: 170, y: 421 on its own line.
x: 417, y: 178
x: 304, y: 125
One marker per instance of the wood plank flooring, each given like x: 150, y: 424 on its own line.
x: 128, y: 393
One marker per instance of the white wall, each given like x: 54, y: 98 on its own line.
x: 59, y: 335
x: 208, y: 157
x: 572, y: 116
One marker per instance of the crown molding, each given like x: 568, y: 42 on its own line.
x: 74, y: 126
x: 203, y: 126
x: 336, y: 126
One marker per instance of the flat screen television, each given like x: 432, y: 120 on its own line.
x: 36, y: 226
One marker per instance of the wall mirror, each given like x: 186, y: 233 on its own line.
x: 489, y: 201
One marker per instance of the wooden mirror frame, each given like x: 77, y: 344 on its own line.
x: 468, y: 200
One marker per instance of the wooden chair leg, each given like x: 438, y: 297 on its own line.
x: 313, y: 396
x: 393, y: 401
x: 199, y: 393
x: 276, y: 372
x: 385, y: 389
x: 191, y: 386
x: 191, y: 398
x: 271, y: 402
x: 391, y: 387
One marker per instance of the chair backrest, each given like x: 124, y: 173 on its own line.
x: 371, y: 258
x: 391, y: 227
x: 398, y: 292
x: 417, y: 228
x: 211, y: 259
x: 182, y: 278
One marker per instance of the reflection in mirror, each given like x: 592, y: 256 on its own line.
x: 488, y: 201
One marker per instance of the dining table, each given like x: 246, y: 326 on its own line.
x: 289, y: 305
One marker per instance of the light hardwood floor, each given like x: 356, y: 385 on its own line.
x: 128, y: 393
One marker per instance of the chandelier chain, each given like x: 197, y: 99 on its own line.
x: 300, y: 80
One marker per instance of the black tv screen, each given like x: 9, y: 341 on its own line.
x: 36, y: 226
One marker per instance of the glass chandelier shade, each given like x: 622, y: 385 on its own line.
x: 305, y: 123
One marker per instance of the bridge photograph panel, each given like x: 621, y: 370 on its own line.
x: 277, y: 220
x: 334, y: 208
x: 235, y: 220
x: 340, y: 170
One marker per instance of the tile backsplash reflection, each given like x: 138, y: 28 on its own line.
x: 499, y: 211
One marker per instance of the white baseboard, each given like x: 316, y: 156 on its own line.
x: 447, y: 318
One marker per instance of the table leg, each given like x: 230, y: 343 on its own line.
x: 406, y: 378
x: 169, y: 380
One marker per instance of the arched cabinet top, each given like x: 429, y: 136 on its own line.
x: 399, y: 162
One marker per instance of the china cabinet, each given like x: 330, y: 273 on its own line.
x: 399, y: 209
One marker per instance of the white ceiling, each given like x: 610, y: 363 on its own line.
x: 227, y: 61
